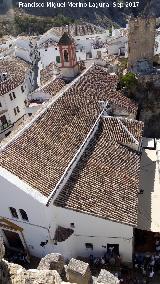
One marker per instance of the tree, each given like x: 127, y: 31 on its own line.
x: 129, y: 81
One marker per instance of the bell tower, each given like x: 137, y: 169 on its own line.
x: 68, y: 60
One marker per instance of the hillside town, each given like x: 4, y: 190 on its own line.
x: 80, y: 154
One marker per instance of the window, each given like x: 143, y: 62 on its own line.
x: 3, y: 119
x: 23, y: 214
x: 8, y: 133
x: 22, y: 89
x: 113, y: 248
x: 66, y: 56
x: 72, y: 225
x: 17, y: 109
x: 14, y: 96
x: 58, y: 60
x: 13, y: 212
x: 0, y: 104
x: 10, y: 95
x: 89, y: 246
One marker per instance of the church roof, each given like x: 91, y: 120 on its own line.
x: 105, y: 181
x: 40, y: 154
x: 65, y: 39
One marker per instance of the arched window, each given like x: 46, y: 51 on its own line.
x: 23, y: 214
x: 65, y: 55
x: 13, y: 212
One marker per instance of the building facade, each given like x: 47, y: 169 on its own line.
x: 66, y: 184
x: 16, y: 81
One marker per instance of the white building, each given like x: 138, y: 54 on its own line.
x: 84, y: 35
x: 16, y: 80
x: 40, y: 96
x: 7, y: 46
x: 149, y: 201
x: 26, y: 48
x: 117, y: 45
x: 69, y: 179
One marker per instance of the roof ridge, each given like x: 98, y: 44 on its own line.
x: 128, y: 132
x: 48, y: 105
x: 77, y: 156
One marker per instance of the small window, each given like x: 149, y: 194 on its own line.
x: 72, y: 225
x: 13, y: 212
x: 0, y: 104
x: 58, y: 60
x: 7, y: 134
x: 66, y: 59
x: 17, y: 109
x: 23, y: 214
x: 10, y: 95
x: 13, y: 94
x: 22, y: 89
x: 89, y: 246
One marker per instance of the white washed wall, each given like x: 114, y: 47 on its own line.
x: 16, y: 194
x: 90, y: 229
x: 48, y: 55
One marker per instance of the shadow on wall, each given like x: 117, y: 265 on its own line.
x: 147, y: 180
x: 152, y: 126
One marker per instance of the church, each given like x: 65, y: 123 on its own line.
x: 70, y: 177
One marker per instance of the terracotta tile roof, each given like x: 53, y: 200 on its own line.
x: 46, y: 74
x: 54, y: 87
x: 40, y: 155
x: 16, y: 72
x: 105, y: 181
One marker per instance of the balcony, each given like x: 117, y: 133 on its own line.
x: 4, y: 126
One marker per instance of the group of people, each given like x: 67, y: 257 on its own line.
x: 148, y: 263
x: 145, y: 265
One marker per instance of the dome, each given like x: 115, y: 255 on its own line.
x: 65, y: 39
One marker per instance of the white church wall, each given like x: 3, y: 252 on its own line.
x: 17, y: 194
x: 97, y: 231
x: 48, y: 55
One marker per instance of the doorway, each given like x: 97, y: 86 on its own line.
x: 13, y: 240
